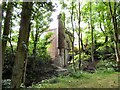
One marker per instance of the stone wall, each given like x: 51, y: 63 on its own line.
x: 53, y: 50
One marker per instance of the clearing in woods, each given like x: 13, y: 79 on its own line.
x: 84, y: 80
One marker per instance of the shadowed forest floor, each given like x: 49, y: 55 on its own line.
x: 84, y: 80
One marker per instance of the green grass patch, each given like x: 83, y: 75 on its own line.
x: 82, y: 80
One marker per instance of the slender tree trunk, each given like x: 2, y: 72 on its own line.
x: 35, y: 46
x: 11, y: 38
x: 73, y: 36
x: 79, y: 37
x: 18, y: 68
x: 6, y: 29
x: 92, y: 46
x: 26, y: 59
x: 0, y: 49
x: 81, y: 42
x: 116, y: 32
x: 92, y: 63
x: 35, y: 43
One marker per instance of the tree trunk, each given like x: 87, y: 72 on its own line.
x: 81, y: 42
x: 26, y: 59
x: 6, y: 29
x: 73, y: 36
x: 79, y: 37
x: 35, y: 46
x: 11, y: 38
x: 116, y: 32
x: 0, y: 50
x: 18, y: 68
x: 92, y: 47
x: 35, y: 43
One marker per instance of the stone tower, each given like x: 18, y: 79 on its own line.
x: 59, y: 46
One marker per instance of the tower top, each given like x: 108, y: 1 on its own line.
x: 59, y: 16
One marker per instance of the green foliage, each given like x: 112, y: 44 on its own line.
x: 38, y: 71
x: 76, y: 75
x: 106, y: 51
x: 8, y: 64
x: 84, y: 56
x: 6, y: 83
x: 39, y: 68
x: 106, y: 66
x: 42, y: 47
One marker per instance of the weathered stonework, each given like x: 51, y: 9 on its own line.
x: 59, y: 47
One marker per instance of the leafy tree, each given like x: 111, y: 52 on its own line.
x: 116, y: 30
x: 41, y: 23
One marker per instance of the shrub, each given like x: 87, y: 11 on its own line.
x: 6, y: 83
x: 77, y: 74
x: 8, y: 64
x: 37, y: 70
x: 106, y: 65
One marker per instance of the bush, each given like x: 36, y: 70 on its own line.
x: 37, y: 70
x: 106, y: 65
x: 77, y: 74
x: 8, y: 64
x: 6, y: 83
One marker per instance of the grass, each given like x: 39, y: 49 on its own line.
x: 84, y: 80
